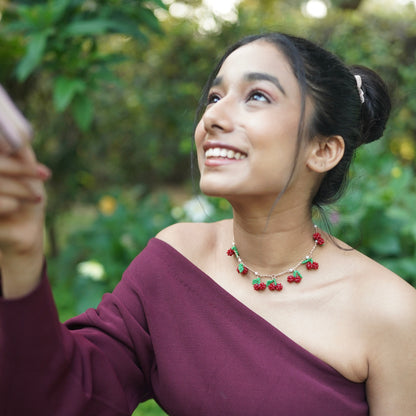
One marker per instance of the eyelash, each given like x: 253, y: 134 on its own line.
x: 213, y: 96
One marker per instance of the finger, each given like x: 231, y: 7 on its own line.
x: 22, y: 190
x: 15, y: 166
x: 8, y: 205
x: 26, y: 155
x: 5, y: 146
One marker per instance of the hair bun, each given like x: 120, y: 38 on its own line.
x: 376, y: 107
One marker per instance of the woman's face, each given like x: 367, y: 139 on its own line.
x: 246, y: 139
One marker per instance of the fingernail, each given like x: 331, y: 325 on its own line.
x: 44, y: 172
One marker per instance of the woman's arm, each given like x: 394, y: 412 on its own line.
x: 90, y: 366
x: 22, y: 205
x: 392, y: 364
x: 98, y: 363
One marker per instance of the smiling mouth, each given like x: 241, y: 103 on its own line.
x: 216, y: 152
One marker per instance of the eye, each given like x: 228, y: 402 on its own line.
x: 213, y: 98
x: 258, y: 96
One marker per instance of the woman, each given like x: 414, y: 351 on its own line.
x: 327, y: 331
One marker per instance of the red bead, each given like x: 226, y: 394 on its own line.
x: 230, y: 252
x: 259, y: 286
x: 272, y: 286
x: 312, y: 265
x: 291, y: 279
x: 297, y: 279
x: 279, y: 287
x: 318, y: 238
x: 242, y: 269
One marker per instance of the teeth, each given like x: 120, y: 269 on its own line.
x: 220, y: 152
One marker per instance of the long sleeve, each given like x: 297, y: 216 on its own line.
x: 167, y: 331
x: 89, y: 366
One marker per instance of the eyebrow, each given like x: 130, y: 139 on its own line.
x: 255, y: 76
x: 261, y: 76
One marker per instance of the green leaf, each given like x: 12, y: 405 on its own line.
x: 58, y: 9
x: 82, y: 110
x: 34, y: 54
x: 88, y: 27
x: 256, y: 281
x: 150, y: 20
x: 160, y: 4
x: 64, y: 91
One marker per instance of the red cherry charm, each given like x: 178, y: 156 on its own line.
x: 259, y: 286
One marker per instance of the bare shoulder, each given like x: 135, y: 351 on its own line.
x: 385, y: 293
x: 383, y: 307
x: 193, y: 239
x: 379, y: 292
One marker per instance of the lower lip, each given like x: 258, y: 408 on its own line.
x: 220, y: 161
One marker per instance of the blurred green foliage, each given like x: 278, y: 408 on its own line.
x: 116, y: 229
x: 61, y: 37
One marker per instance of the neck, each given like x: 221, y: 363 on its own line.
x: 272, y: 242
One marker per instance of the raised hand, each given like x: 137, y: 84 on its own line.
x: 22, y: 204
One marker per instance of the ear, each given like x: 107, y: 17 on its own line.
x: 325, y: 153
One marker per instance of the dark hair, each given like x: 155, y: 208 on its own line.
x: 338, y: 110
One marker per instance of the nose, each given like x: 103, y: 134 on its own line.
x: 218, y: 117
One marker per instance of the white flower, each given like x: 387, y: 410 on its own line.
x: 198, y: 209
x: 91, y: 269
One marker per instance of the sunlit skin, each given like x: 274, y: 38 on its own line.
x: 254, y: 109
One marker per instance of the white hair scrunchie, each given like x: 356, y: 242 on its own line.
x: 359, y: 85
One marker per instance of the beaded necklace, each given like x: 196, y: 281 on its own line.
x: 294, y: 274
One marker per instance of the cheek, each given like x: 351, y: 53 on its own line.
x: 199, y: 139
x: 199, y: 133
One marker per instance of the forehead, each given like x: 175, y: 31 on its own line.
x: 259, y: 56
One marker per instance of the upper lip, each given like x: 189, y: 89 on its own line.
x: 212, y: 145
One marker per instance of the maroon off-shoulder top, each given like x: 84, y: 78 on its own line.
x: 167, y: 332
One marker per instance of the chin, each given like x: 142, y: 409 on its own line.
x: 213, y: 190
